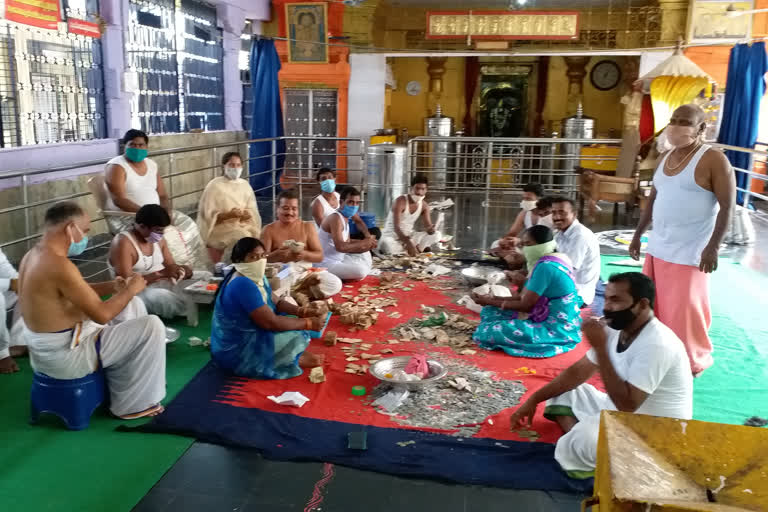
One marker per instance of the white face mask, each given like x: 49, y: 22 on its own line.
x: 415, y: 198
x: 233, y: 172
x: 547, y: 221
x: 527, y: 205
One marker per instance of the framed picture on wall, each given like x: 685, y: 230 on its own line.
x: 307, y: 29
x: 714, y: 21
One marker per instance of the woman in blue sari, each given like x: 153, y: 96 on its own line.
x: 543, y: 320
x: 250, y: 334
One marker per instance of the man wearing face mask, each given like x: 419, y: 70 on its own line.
x: 133, y: 181
x: 227, y: 210
x: 691, y: 204
x: 71, y: 332
x: 143, y: 251
x: 328, y: 202
x: 640, y: 360
x: 399, y: 236
x: 343, y: 257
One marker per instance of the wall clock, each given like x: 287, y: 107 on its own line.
x: 413, y: 88
x: 605, y: 75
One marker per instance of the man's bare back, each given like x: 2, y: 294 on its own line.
x: 46, y: 309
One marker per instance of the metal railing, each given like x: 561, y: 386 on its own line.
x: 184, y: 186
x: 501, y: 166
x: 493, y: 167
x: 755, y: 157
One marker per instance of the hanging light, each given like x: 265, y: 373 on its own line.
x: 517, y: 4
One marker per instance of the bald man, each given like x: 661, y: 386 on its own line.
x: 691, y: 203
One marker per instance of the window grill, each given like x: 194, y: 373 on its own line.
x: 51, y: 83
x: 176, y: 52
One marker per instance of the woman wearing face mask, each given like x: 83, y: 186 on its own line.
x: 133, y: 181
x: 250, y: 334
x: 144, y: 251
x: 543, y: 320
x: 227, y: 211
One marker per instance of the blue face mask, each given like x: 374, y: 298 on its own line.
x: 349, y: 211
x: 77, y: 248
x: 135, y: 154
x: 328, y: 186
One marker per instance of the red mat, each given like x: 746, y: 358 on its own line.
x: 332, y: 399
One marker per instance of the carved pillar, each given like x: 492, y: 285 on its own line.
x: 577, y: 70
x: 674, y: 20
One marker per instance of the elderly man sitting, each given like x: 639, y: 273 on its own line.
x: 143, y: 251
x: 295, y: 242
x: 345, y: 258
x: 65, y: 320
x: 642, y: 363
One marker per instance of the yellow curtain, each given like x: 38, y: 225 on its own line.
x: 670, y: 92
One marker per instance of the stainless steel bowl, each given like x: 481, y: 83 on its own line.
x: 478, y: 276
x: 392, y: 364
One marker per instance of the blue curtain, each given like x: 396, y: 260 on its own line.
x: 741, y: 111
x: 267, y: 114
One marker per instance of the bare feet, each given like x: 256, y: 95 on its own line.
x: 8, y: 365
x: 146, y: 413
x: 19, y: 351
x: 310, y: 360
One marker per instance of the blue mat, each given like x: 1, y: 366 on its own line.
x: 509, y: 464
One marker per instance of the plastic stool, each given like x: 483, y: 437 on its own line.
x: 72, y: 400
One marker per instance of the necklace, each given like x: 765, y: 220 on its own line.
x: 680, y: 162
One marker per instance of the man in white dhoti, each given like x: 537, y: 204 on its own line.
x: 65, y: 320
x: 295, y: 242
x: 345, y: 258
x: 399, y: 236
x: 9, y: 286
x: 642, y: 363
x: 143, y: 251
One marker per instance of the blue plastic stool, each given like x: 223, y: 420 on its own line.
x: 71, y: 400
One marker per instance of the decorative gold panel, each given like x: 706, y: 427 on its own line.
x: 502, y: 25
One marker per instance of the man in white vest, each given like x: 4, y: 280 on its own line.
x: 691, y: 203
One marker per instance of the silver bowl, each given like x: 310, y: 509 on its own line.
x: 392, y: 364
x: 478, y: 276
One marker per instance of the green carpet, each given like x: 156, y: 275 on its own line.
x: 736, y: 386
x: 47, y: 468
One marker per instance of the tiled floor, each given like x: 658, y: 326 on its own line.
x: 214, y: 478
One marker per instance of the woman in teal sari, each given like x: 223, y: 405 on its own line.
x: 251, y: 336
x: 543, y: 320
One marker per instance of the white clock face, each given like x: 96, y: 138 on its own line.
x: 413, y: 88
x: 605, y: 75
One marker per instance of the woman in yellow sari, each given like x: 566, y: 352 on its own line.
x: 227, y: 211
